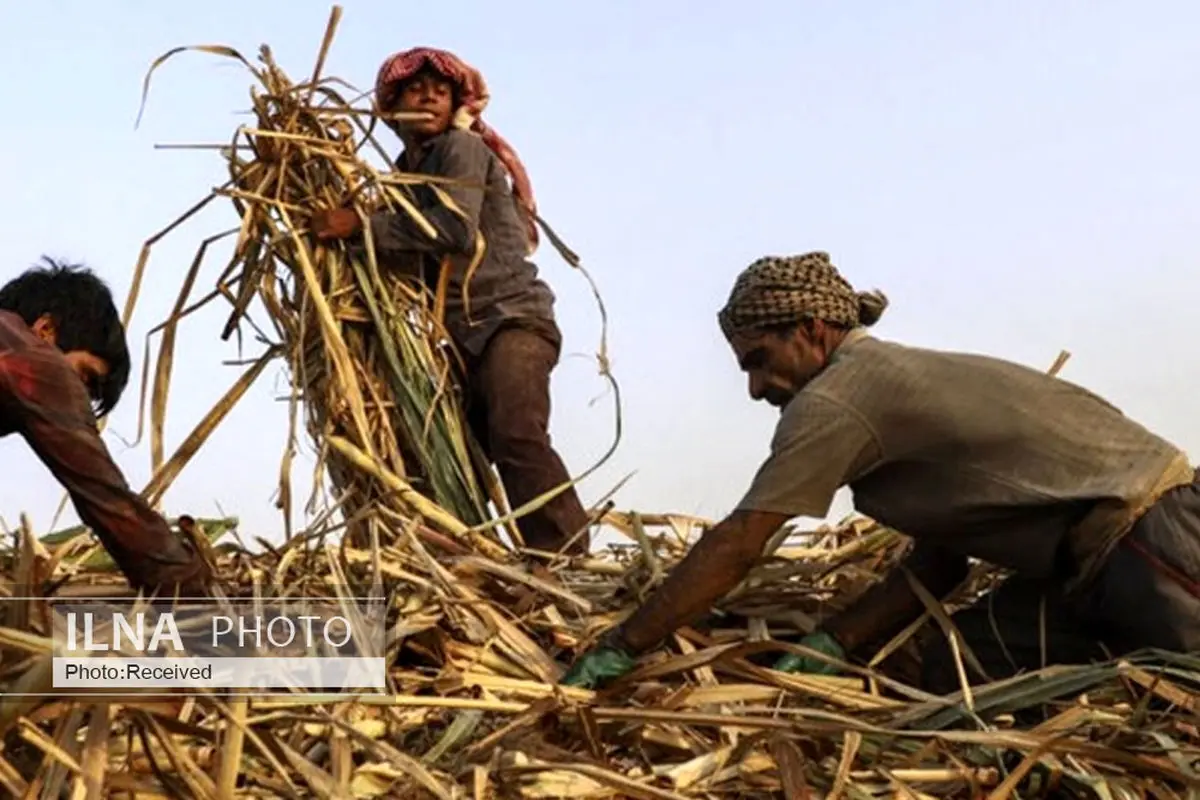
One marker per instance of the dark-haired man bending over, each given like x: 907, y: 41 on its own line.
x: 63, y: 362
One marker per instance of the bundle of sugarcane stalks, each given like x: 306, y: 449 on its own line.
x: 478, y: 636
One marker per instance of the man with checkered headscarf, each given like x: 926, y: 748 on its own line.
x: 972, y: 457
x: 498, y: 312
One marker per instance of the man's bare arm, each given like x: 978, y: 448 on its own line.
x: 715, y: 565
x: 818, y: 446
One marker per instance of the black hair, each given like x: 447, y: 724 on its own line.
x: 85, y: 318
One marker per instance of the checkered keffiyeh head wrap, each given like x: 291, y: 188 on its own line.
x: 778, y: 290
x: 473, y: 96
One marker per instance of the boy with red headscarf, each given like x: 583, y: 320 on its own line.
x: 503, y: 324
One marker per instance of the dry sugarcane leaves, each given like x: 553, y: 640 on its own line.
x: 478, y: 638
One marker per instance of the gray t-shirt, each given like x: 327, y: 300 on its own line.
x: 977, y: 455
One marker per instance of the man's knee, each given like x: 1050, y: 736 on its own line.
x: 943, y: 669
x: 939, y: 669
x: 976, y: 628
x: 517, y: 360
x: 514, y: 388
x: 519, y: 439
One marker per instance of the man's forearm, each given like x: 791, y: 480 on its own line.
x: 138, y: 539
x: 712, y: 568
x: 715, y: 565
x: 891, y: 604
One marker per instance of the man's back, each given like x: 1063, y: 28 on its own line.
x: 983, y: 455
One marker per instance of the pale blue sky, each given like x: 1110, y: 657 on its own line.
x: 1019, y: 177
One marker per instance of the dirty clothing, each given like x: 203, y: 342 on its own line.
x: 505, y: 285
x: 980, y: 457
x: 504, y: 330
x: 1147, y: 594
x: 43, y: 400
x: 508, y: 406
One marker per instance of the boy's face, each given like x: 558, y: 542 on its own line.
x: 91, y: 368
x: 431, y: 93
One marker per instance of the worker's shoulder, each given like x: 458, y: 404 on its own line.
x: 816, y: 408
x: 15, y: 335
x: 30, y: 366
x: 875, y: 375
x: 871, y: 355
x: 464, y: 143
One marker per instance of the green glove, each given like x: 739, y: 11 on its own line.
x: 605, y: 662
x: 821, y: 642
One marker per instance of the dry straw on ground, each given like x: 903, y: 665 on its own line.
x: 478, y: 639
x: 474, y: 710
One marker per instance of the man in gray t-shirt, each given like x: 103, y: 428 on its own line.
x: 971, y: 456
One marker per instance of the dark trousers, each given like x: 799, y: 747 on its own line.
x: 508, y: 409
x: 1147, y: 595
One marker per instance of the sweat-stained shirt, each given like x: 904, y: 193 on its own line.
x: 971, y: 454
x: 43, y: 400
x: 505, y: 286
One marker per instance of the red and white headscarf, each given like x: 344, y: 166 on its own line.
x: 474, y: 97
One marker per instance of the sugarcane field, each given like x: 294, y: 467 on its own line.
x: 472, y: 604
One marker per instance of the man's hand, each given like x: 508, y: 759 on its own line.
x: 714, y: 566
x: 340, y: 223
x: 194, y: 579
x: 820, y: 641
x: 189, y: 573
x: 605, y: 662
